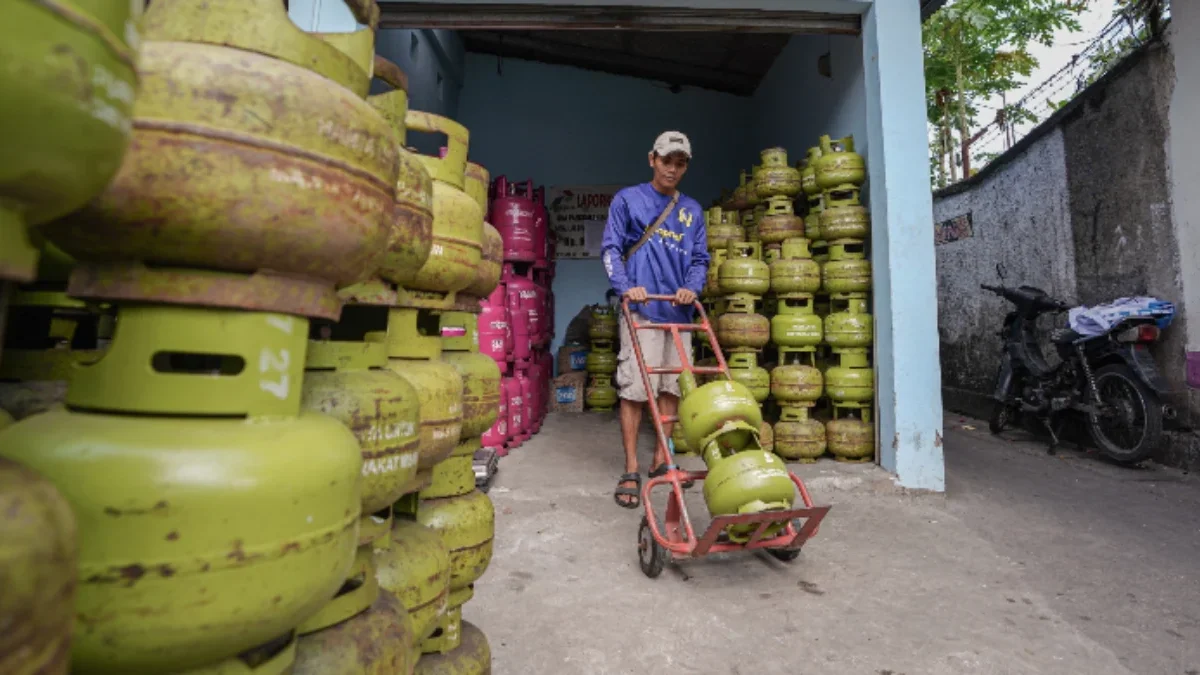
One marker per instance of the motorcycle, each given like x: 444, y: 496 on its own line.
x: 1111, y: 379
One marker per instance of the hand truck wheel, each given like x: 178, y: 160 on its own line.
x: 651, y: 555
x: 784, y: 554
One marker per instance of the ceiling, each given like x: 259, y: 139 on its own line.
x: 726, y: 62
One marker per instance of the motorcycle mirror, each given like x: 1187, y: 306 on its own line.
x: 1000, y: 271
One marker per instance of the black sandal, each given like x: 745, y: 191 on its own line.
x: 634, y: 493
x: 662, y: 470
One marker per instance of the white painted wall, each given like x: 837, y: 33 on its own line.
x: 1183, y: 152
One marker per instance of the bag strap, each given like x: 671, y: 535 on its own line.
x: 653, y: 228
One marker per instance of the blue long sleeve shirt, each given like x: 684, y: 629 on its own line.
x: 675, y: 257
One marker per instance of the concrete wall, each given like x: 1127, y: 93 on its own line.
x: 1082, y: 209
x: 1183, y: 157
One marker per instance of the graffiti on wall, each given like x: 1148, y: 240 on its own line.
x: 954, y: 229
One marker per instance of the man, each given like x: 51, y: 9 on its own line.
x: 655, y: 243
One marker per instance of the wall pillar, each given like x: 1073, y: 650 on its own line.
x: 1183, y: 155
x: 902, y: 249
x: 325, y: 16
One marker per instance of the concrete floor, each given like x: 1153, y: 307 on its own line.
x: 1029, y: 564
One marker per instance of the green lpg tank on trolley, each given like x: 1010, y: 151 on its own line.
x: 201, y: 535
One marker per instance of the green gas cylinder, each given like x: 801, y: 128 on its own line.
x: 848, y: 270
x: 849, y: 324
x: 844, y: 218
x: 749, y: 481
x: 752, y: 198
x: 414, y: 352
x: 457, y: 219
x: 797, y: 437
x: 38, y: 568
x: 772, y: 253
x: 454, y: 475
x: 415, y: 568
x: 749, y: 225
x: 740, y: 328
x: 411, y: 235
x: 777, y: 178
x: 466, y: 523
x: 602, y: 359
x: 491, y: 261
x: 349, y: 382
x: 473, y: 656
x: 795, y: 271
x: 303, y: 187
x: 744, y: 368
x: 603, y: 324
x: 380, y: 641
x: 69, y: 77
x: 744, y: 271
x: 200, y: 534
x: 600, y: 393
x: 274, y: 657
x: 709, y: 413
x: 795, y: 324
x: 779, y: 222
x: 712, y: 282
x: 820, y: 251
x: 766, y: 437
x: 808, y: 175
x: 796, y: 380
x: 723, y: 229
x: 839, y: 166
x: 852, y: 439
x: 479, y: 373
x: 852, y: 380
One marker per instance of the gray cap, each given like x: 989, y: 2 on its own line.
x: 672, y: 141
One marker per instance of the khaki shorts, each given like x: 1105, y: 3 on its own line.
x: 658, y: 349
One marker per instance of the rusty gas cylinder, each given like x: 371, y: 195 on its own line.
x: 415, y: 568
x: 779, y: 222
x: 839, y: 166
x: 38, y: 568
x: 492, y: 257
x: 844, y: 218
x: 848, y: 270
x: 744, y: 368
x: 412, y: 223
x: 795, y: 271
x: 473, y: 656
x: 739, y: 328
x: 457, y: 217
x: 796, y: 380
x: 722, y: 229
x: 303, y: 184
x: 798, y: 438
x: 777, y: 178
x: 414, y: 350
x: 850, y: 438
x: 479, y: 373
x: 379, y: 641
x: 808, y: 175
x: 467, y: 524
x: 743, y: 271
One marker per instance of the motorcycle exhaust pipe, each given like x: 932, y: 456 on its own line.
x: 1168, y: 412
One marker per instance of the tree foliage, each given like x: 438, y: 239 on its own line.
x: 977, y: 49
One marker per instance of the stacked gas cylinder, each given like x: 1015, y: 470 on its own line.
x: 282, y: 484
x: 525, y: 299
x: 812, y: 351
x: 601, y: 364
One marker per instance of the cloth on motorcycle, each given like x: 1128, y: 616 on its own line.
x: 1100, y: 319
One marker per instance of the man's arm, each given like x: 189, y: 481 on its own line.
x: 613, y: 245
x: 697, y: 273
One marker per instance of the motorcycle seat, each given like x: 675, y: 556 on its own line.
x: 1064, y: 336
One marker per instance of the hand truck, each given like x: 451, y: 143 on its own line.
x: 676, y: 541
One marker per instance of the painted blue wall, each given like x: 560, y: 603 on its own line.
x: 560, y: 125
x: 433, y: 61
x: 795, y: 103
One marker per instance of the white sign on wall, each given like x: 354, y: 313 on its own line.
x: 577, y: 216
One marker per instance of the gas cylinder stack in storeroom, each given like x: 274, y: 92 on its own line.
x: 519, y: 213
x: 601, y: 363
x: 215, y: 264
x: 833, y: 180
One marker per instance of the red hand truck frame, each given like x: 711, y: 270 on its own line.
x: 679, y: 541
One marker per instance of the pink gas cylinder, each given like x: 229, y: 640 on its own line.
x: 537, y: 379
x: 516, y: 288
x: 495, y: 328
x: 527, y: 398
x: 496, y: 438
x: 529, y: 298
x: 516, y: 410
x: 514, y: 214
x: 541, y: 227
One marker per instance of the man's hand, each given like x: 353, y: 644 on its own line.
x: 636, y: 294
x: 685, y: 297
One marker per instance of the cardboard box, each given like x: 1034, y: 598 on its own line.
x: 566, y: 392
x: 572, y: 358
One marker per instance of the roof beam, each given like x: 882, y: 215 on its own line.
x: 513, y: 16
x: 671, y: 72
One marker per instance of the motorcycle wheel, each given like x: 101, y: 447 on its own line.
x: 1133, y: 429
x: 1001, y: 417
